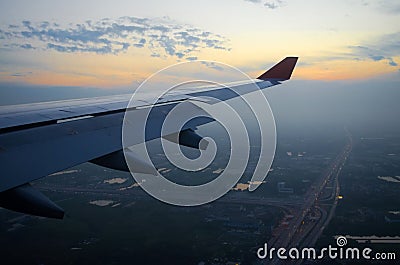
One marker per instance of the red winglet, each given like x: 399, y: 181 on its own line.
x: 281, y: 71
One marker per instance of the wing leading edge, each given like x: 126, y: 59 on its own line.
x: 37, y: 140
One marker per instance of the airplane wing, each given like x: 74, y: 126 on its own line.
x: 40, y: 139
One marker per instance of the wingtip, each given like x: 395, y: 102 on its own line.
x: 281, y: 71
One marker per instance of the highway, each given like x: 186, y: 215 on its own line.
x: 305, y: 229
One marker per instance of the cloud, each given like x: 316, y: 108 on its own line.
x: 274, y: 4
x: 212, y: 65
x: 140, y: 44
x: 21, y: 74
x: 384, y: 48
x: 392, y: 63
x: 389, y: 6
x: 163, y: 37
x: 191, y: 58
x: 253, y: 1
x: 26, y: 46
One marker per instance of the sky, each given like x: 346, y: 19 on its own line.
x: 114, y: 44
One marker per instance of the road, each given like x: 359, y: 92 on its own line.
x: 312, y: 217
